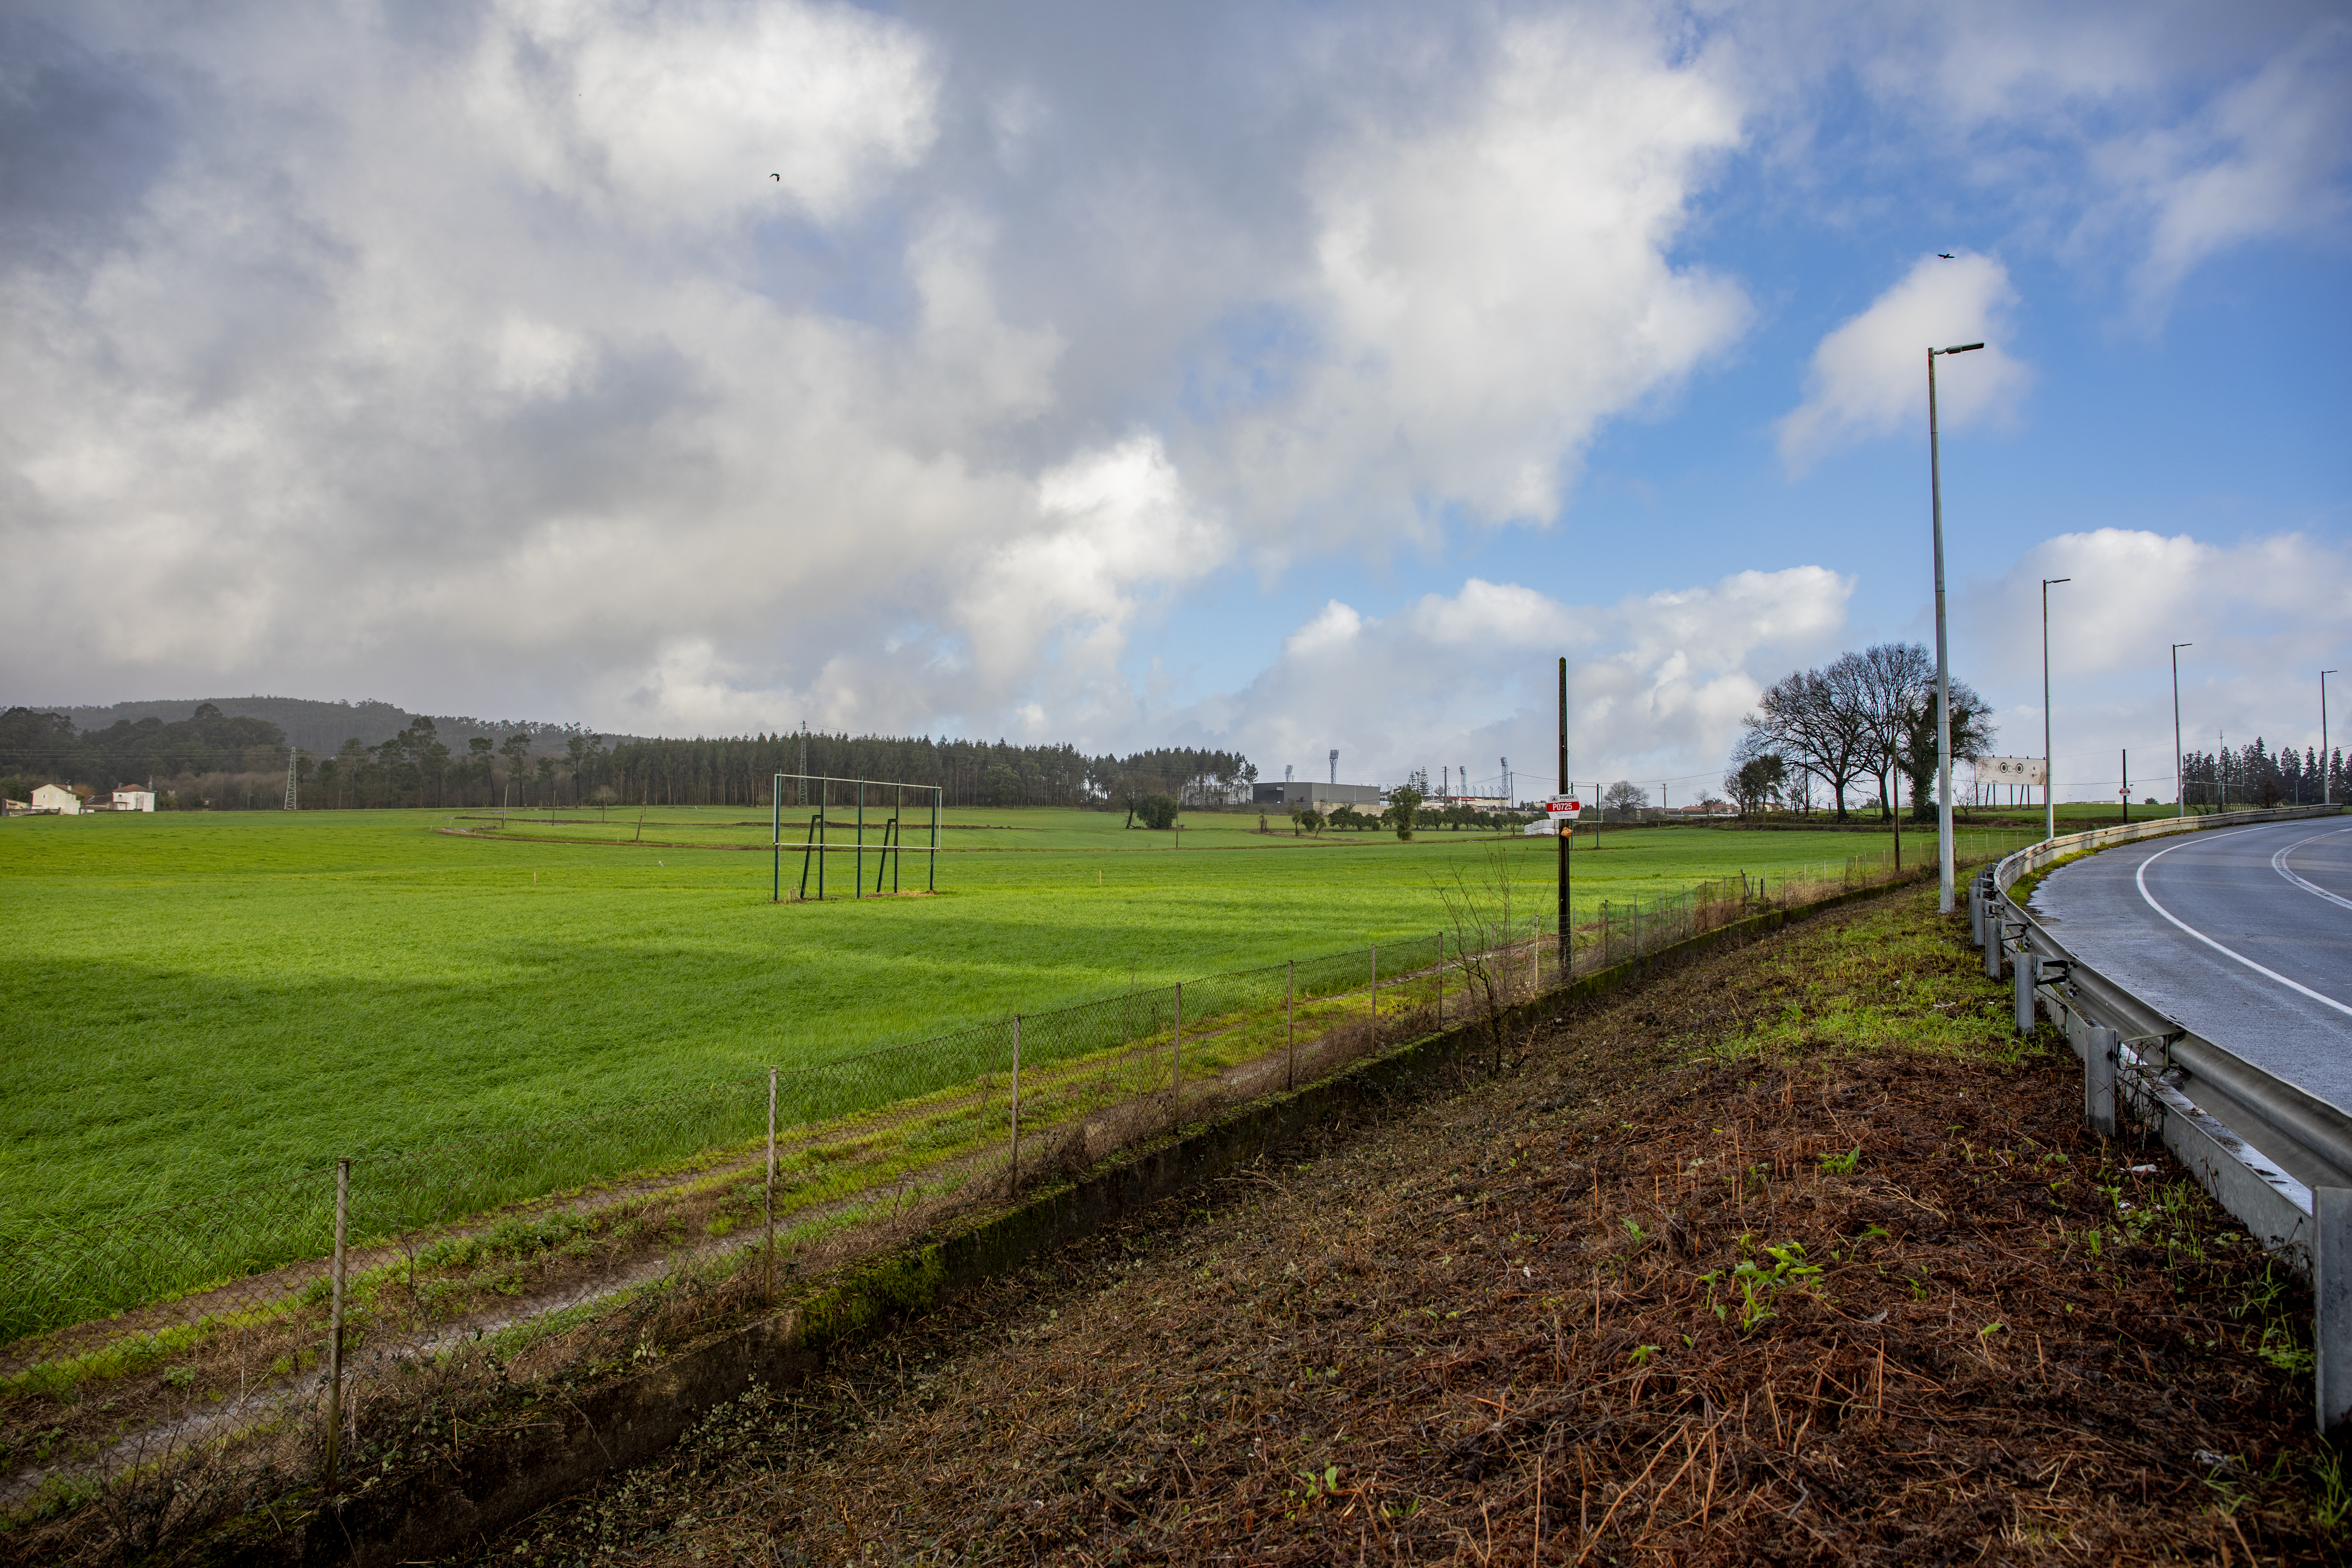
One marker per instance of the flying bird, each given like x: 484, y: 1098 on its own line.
x: 778, y: 178
x: 1948, y: 256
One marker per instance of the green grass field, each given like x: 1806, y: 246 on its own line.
x: 194, y: 1001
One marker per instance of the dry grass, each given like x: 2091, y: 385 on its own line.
x: 1568, y: 1314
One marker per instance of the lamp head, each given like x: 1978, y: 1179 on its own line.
x: 1959, y: 349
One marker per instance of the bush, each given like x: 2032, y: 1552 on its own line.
x: 1158, y: 811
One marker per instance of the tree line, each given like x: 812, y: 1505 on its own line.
x: 38, y: 748
x: 2255, y: 775
x: 1864, y: 716
x: 210, y: 760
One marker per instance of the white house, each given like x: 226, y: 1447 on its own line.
x: 134, y: 800
x: 64, y: 801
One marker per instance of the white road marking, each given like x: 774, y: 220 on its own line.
x: 2278, y: 864
x: 2140, y: 879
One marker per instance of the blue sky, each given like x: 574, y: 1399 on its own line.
x: 1274, y: 376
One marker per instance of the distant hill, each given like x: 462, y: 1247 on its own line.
x: 320, y: 727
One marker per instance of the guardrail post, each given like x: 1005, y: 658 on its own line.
x: 2100, y: 1047
x: 1996, y: 932
x: 1976, y: 912
x: 2331, y: 1290
x: 2024, y: 972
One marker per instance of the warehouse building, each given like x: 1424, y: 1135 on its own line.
x: 1308, y: 794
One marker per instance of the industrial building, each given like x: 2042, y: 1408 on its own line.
x: 1308, y: 794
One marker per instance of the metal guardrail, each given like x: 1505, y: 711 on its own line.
x: 2276, y: 1156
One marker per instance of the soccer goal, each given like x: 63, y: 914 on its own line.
x: 888, y: 799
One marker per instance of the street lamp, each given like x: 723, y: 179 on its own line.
x: 2325, y: 777
x: 1943, y: 664
x: 2179, y: 784
x: 2049, y: 769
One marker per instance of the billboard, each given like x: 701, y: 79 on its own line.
x: 2009, y: 771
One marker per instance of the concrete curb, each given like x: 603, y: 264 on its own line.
x: 558, y: 1447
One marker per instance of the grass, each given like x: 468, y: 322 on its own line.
x: 196, y: 1002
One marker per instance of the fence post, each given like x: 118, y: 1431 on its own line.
x: 2331, y: 1306
x: 335, y: 1323
x: 2099, y: 1079
x: 1176, y: 1064
x: 1290, y: 1021
x: 1376, y: 996
x: 768, y: 1284
x: 1016, y: 1102
x: 2026, y: 966
x: 1995, y: 934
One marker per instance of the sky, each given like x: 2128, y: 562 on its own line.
x: 1279, y: 377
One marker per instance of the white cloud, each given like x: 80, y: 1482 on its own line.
x: 1110, y: 525
x: 473, y: 358
x: 1658, y: 682
x: 705, y: 114
x: 2266, y: 158
x: 2263, y: 616
x: 1491, y: 283
x: 1868, y: 377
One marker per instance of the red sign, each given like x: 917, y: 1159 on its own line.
x: 1558, y: 806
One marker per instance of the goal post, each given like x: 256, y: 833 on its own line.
x: 889, y: 847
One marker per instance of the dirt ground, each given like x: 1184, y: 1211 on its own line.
x: 1794, y: 1254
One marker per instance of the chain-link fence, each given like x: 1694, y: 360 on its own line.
x: 460, y: 1270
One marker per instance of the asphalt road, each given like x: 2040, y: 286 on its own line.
x: 2242, y: 933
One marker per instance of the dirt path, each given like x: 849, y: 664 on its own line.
x: 1796, y: 1256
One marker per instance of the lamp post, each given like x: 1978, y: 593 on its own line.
x: 2049, y: 770
x: 1943, y: 663
x: 2326, y: 779
x: 2179, y: 784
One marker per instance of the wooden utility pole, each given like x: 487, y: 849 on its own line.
x: 1568, y: 823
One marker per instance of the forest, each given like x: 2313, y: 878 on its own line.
x: 210, y: 761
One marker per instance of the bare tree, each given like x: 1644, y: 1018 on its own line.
x: 1890, y: 681
x: 1812, y: 718
x: 1625, y: 798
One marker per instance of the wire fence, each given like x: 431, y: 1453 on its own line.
x: 410, y: 1286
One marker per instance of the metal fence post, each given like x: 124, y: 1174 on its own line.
x: 1290, y: 1021
x: 768, y: 1284
x: 335, y: 1323
x: 1016, y: 1102
x: 2099, y: 1048
x: 2331, y: 1306
x: 1176, y: 1064
x: 2026, y: 966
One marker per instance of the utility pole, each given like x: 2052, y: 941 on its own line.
x: 1566, y: 822
x: 294, y: 752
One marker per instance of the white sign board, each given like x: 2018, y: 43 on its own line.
x: 2009, y: 770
